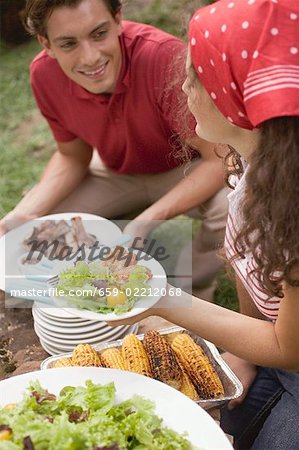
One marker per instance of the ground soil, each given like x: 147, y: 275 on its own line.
x: 20, y: 349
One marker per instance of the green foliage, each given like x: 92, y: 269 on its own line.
x: 226, y: 294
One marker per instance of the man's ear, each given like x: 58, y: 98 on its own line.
x: 118, y: 19
x: 44, y: 42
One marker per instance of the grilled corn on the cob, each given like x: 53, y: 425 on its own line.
x: 85, y: 355
x: 198, y: 366
x: 113, y: 358
x: 187, y: 386
x: 135, y: 357
x: 63, y: 362
x: 163, y: 361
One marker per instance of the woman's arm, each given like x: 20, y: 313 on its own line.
x: 257, y: 341
x: 245, y: 371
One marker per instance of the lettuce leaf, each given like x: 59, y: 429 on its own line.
x: 131, y: 424
x: 76, y: 284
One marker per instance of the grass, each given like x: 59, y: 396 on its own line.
x: 24, y: 145
x: 225, y: 294
x: 169, y: 15
x: 26, y: 142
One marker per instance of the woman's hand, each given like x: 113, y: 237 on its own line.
x: 132, y: 320
x: 159, y: 309
x: 245, y: 371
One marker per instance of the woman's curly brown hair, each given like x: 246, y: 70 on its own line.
x: 270, y: 225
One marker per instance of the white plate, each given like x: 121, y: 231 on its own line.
x: 157, y: 284
x: 55, y: 313
x: 60, y: 323
x: 64, y: 322
x: 78, y: 338
x: 60, y: 328
x: 55, y: 350
x: 65, y: 332
x: 177, y: 411
x: 11, y: 243
x: 73, y: 334
x: 47, y: 363
x: 49, y: 349
x: 67, y: 345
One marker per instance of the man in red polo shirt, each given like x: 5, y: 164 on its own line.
x: 105, y: 84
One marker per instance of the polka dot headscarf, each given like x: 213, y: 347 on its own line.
x: 246, y: 54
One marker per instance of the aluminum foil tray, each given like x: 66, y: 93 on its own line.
x: 232, y: 385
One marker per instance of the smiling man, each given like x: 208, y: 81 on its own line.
x: 84, y: 40
x: 104, y: 86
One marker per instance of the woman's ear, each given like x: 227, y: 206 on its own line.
x: 44, y: 42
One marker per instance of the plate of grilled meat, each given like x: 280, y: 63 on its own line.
x: 53, y: 238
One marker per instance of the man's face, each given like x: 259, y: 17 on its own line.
x: 85, y: 42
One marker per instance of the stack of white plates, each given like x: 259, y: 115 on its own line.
x: 60, y: 332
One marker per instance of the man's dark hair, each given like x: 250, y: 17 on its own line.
x: 37, y: 12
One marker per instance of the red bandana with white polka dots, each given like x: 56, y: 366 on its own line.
x: 246, y: 54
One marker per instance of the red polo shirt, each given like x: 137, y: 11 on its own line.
x: 134, y: 127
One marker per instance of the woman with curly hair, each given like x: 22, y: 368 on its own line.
x: 243, y: 90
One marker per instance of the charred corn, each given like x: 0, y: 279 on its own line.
x: 113, y: 358
x: 63, y: 362
x: 198, y: 366
x: 187, y: 386
x: 135, y: 357
x: 85, y: 355
x: 163, y: 361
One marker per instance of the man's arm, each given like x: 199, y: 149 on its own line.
x: 66, y: 169
x: 194, y: 189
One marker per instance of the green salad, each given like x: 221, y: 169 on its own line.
x: 103, y: 288
x: 84, y: 418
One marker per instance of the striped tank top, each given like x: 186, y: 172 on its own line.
x: 267, y: 305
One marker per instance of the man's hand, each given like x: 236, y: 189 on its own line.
x: 3, y: 228
x: 245, y: 371
x: 138, y: 230
x: 11, y: 221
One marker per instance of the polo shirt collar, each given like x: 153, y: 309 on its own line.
x: 122, y: 86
